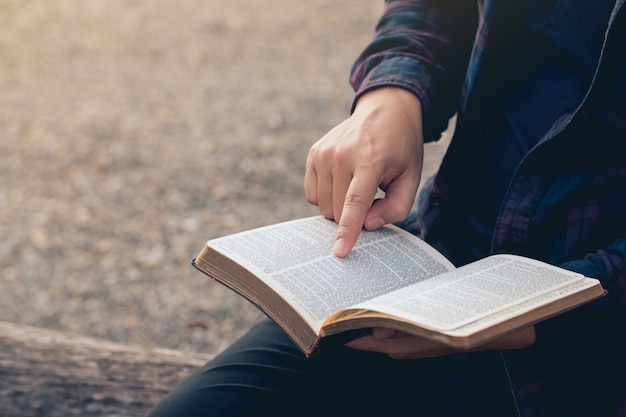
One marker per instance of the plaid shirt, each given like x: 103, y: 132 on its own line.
x: 566, y: 202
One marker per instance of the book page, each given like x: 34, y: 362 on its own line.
x: 295, y: 258
x: 525, y: 306
x: 473, y: 292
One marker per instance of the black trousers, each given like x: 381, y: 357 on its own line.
x: 263, y: 373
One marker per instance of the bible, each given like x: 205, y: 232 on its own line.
x: 390, y: 279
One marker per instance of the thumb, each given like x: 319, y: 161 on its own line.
x: 395, y: 205
x: 381, y: 333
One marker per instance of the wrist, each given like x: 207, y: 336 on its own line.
x: 389, y: 96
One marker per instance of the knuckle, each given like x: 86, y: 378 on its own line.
x: 356, y: 199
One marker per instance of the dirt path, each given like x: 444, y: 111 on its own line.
x: 132, y: 131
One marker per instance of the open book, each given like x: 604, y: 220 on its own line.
x: 390, y: 279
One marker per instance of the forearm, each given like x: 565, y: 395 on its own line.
x: 423, y: 47
x: 594, y: 322
x: 607, y: 264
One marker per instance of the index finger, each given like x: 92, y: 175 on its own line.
x: 359, y: 198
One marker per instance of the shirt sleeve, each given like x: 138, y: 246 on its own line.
x: 609, y: 266
x: 422, y: 46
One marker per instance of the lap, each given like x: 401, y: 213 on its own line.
x: 263, y: 372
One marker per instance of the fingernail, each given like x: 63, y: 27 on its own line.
x: 339, y: 248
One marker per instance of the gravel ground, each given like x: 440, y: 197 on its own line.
x: 131, y: 131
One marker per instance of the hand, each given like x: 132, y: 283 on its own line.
x: 401, y: 345
x: 379, y: 146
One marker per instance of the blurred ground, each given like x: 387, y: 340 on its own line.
x: 131, y: 131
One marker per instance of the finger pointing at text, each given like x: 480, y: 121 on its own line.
x: 379, y: 146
